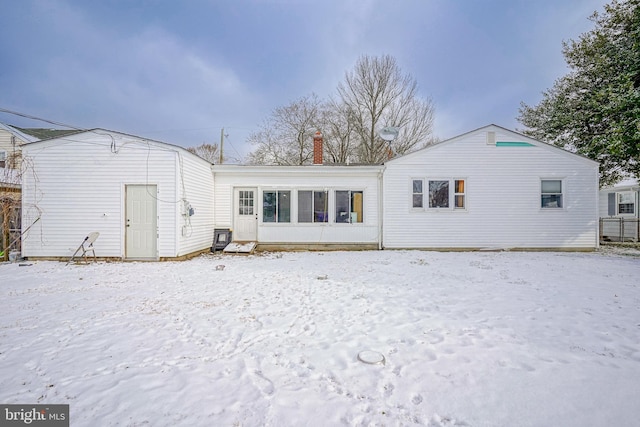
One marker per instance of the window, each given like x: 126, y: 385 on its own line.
x: 3, y: 159
x: 276, y: 206
x: 438, y: 194
x: 551, y: 193
x: 245, y: 202
x: 417, y: 193
x: 313, y: 206
x: 459, y: 194
x: 349, y: 206
x: 626, y: 203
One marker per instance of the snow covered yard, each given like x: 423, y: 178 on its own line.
x: 469, y: 339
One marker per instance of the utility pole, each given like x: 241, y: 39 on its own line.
x: 221, y: 144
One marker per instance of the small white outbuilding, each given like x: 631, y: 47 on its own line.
x: 491, y: 188
x: 148, y: 200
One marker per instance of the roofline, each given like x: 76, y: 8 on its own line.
x: 536, y: 141
x: 320, y: 169
x: 97, y: 130
x: 23, y: 136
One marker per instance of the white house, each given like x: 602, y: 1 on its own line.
x: 619, y: 216
x: 491, y: 188
x: 147, y: 199
x: 293, y: 206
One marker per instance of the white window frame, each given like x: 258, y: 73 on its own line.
x: 562, y: 194
x: 412, y: 194
x: 619, y: 196
x: 277, y: 205
x: 350, y: 192
x: 428, y: 192
x: 462, y: 194
x: 313, y: 210
x: 3, y: 158
x: 451, y: 196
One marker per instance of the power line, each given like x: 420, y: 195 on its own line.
x: 28, y: 116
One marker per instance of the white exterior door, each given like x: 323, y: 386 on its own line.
x: 141, y: 233
x: 245, y: 217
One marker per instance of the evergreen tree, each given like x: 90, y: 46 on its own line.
x: 595, y: 109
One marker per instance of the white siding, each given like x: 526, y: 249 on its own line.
x: 503, y: 206
x: 195, y: 184
x: 330, y: 178
x: 76, y: 185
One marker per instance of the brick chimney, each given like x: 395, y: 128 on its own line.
x: 317, y: 148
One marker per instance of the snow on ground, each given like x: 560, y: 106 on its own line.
x: 469, y: 339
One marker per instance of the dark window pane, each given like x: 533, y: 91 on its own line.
x: 417, y: 186
x: 305, y: 211
x: 342, y: 206
x: 269, y: 206
x: 320, y: 207
x: 284, y: 206
x: 551, y: 200
x: 438, y: 194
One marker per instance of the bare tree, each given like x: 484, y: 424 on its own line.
x: 286, y: 138
x: 373, y: 96
x: 209, y: 152
x: 10, y: 201
x: 340, y: 142
x: 376, y: 94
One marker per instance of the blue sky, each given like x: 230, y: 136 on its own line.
x: 179, y: 71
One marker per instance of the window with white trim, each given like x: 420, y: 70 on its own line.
x: 349, y: 206
x: 245, y: 202
x: 626, y: 202
x: 3, y: 159
x: 449, y: 193
x: 459, y: 195
x: 276, y: 206
x: 551, y: 193
x: 313, y: 206
x: 417, y: 193
x: 438, y: 193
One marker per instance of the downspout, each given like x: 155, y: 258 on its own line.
x: 597, y: 208
x: 13, y: 161
x: 380, y: 207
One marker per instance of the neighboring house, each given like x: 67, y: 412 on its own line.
x: 147, y: 199
x: 304, y: 206
x: 11, y: 139
x: 619, y: 216
x: 9, y: 211
x: 491, y: 188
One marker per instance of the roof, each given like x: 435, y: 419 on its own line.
x: 327, y: 169
x: 494, y: 126
x: 15, y: 131
x: 625, y: 184
x: 102, y: 132
x: 44, y: 133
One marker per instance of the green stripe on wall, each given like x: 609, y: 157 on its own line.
x: 513, y: 144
